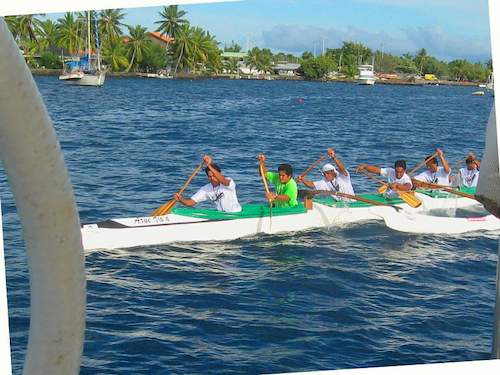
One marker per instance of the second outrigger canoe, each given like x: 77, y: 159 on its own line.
x: 188, y: 224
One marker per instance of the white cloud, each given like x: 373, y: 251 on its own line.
x: 437, y: 42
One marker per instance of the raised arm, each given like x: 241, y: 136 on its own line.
x: 476, y: 161
x: 443, y: 160
x: 308, y: 183
x: 331, y: 152
x: 369, y: 168
x: 223, y: 180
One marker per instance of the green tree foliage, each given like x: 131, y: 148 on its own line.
x: 115, y: 56
x: 233, y: 47
x: 195, y: 50
x: 154, y: 59
x: 317, y: 67
x: 110, y: 23
x: 260, y: 59
x: 137, y: 46
x: 49, y: 60
x: 171, y: 21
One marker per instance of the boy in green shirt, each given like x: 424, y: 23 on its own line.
x: 284, y: 184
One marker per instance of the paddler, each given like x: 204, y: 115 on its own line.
x: 470, y: 174
x: 220, y: 189
x: 435, y: 174
x: 284, y: 185
x: 332, y: 179
x: 396, y: 177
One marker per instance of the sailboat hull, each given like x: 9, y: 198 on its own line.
x: 89, y: 79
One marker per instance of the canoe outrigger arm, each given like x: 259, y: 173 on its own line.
x: 46, y: 206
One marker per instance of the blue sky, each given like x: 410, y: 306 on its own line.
x: 447, y: 29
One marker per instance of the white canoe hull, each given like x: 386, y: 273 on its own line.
x: 419, y: 223
x: 176, y: 228
x: 146, y: 231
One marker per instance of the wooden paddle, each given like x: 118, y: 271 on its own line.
x: 350, y: 196
x: 408, y: 197
x: 167, y: 207
x: 313, y: 165
x: 266, y: 186
x: 421, y: 164
x: 429, y: 185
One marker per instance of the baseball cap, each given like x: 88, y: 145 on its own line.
x: 328, y: 167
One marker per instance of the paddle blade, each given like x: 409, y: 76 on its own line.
x: 382, y: 189
x: 410, y: 199
x: 165, y: 208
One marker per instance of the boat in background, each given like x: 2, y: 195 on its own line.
x: 489, y: 85
x: 85, y: 71
x: 366, y: 75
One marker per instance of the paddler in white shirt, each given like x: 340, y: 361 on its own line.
x: 332, y: 179
x: 396, y: 177
x: 221, y: 190
x: 434, y: 173
x: 470, y: 174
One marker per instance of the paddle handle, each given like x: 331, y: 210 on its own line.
x: 373, y: 177
x: 445, y: 188
x: 190, y: 178
x: 165, y: 208
x: 414, y: 169
x: 313, y: 165
x: 264, y: 178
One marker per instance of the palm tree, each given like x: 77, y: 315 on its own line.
x: 69, y: 33
x: 24, y: 29
x: 184, y: 47
x: 48, y: 39
x: 171, y: 21
x: 115, y: 56
x: 109, y: 23
x: 138, y: 44
x: 252, y: 59
x: 231, y: 65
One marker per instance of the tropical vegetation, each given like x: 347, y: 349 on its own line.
x: 193, y: 50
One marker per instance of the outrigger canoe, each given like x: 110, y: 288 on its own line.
x: 188, y: 224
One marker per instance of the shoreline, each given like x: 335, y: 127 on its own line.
x: 397, y: 82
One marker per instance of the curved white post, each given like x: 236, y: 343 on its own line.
x: 44, y: 198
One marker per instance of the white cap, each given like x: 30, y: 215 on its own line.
x: 328, y: 167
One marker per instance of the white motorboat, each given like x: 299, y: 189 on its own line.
x: 366, y: 75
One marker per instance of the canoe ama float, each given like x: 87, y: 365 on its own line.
x: 188, y: 224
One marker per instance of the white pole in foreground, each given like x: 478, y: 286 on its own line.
x: 488, y: 192
x: 6, y: 366
x: 44, y: 198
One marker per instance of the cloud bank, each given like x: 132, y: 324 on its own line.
x: 437, y: 42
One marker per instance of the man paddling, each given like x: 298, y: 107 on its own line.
x: 332, y: 179
x: 396, y: 177
x: 470, y: 174
x: 284, y: 184
x: 434, y: 173
x: 221, y: 190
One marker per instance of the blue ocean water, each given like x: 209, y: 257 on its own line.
x: 342, y: 297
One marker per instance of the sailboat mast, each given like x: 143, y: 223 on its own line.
x: 88, y: 37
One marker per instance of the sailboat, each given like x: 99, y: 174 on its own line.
x: 85, y: 71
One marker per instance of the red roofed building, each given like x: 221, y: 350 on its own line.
x: 161, y: 39
x: 156, y: 37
